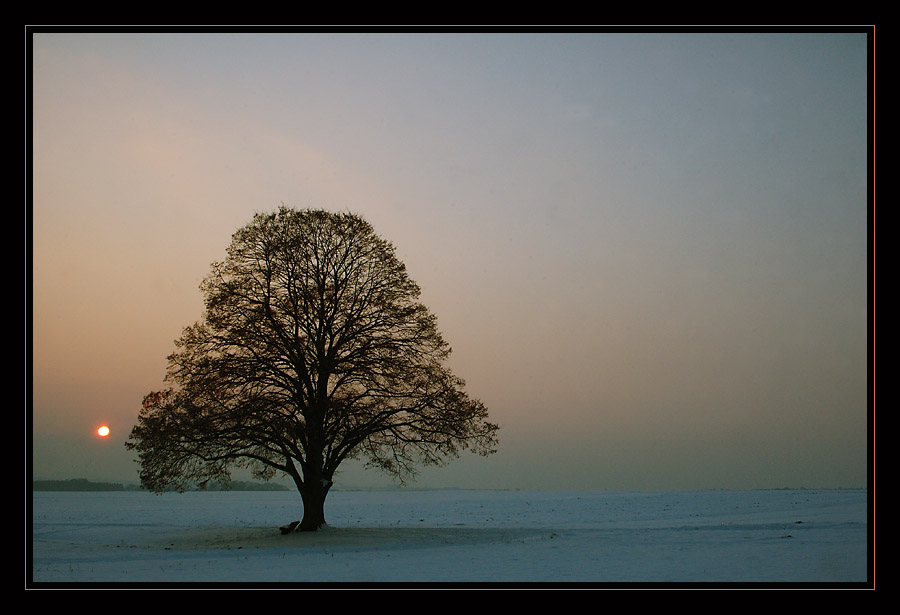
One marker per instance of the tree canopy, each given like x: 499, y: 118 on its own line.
x: 313, y: 349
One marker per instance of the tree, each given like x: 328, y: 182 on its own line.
x: 313, y: 349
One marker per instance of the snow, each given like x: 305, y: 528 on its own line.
x: 466, y: 537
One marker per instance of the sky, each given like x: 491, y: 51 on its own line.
x: 649, y: 251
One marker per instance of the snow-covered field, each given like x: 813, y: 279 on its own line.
x: 466, y: 537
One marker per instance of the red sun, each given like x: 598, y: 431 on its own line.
x: 103, y: 431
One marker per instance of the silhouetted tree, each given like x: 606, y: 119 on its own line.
x: 314, y: 349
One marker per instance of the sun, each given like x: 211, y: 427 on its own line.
x: 103, y: 431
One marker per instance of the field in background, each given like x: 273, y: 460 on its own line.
x: 432, y: 537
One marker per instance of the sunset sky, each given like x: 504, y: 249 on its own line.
x: 649, y: 252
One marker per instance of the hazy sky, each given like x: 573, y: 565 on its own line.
x: 649, y: 252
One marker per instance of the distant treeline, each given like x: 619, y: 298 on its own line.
x: 81, y: 484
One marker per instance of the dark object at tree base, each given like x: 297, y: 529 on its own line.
x: 287, y: 529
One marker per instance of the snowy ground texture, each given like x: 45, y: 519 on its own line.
x: 411, y: 537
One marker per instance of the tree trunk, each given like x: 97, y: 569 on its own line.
x: 313, y: 496
x: 314, y: 486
